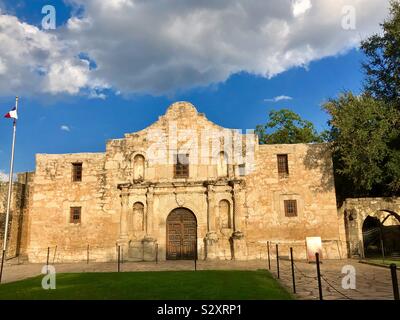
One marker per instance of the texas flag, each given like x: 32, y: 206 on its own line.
x: 12, y: 114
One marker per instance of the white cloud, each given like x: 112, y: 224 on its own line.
x: 3, y: 176
x: 96, y: 95
x: 34, y: 61
x: 278, y: 98
x: 300, y: 7
x: 65, y: 128
x: 160, y: 46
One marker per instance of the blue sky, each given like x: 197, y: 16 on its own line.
x: 239, y: 100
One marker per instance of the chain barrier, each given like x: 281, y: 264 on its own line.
x: 323, y: 278
x: 303, y: 274
x: 330, y: 285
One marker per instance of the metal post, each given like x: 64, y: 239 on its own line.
x: 156, y: 253
x: 87, y: 255
x: 277, y: 259
x: 195, y: 257
x: 383, y: 251
x: 269, y: 259
x: 47, y: 261
x: 2, y: 263
x: 10, y: 179
x: 395, y: 283
x: 119, y: 255
x: 318, y: 276
x: 293, y: 276
x: 10, y: 185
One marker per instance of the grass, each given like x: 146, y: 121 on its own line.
x: 172, y: 285
x: 385, y: 262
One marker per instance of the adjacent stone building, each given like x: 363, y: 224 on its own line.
x: 181, y: 188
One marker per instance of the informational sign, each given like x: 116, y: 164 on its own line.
x: 314, y: 245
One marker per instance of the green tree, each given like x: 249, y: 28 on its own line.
x: 365, y: 129
x: 382, y: 68
x: 286, y: 126
x: 362, y: 133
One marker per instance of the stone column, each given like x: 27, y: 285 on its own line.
x: 149, y: 213
x: 123, y: 226
x: 149, y: 243
x: 211, y: 205
x: 238, y: 204
x: 238, y: 240
x: 211, y: 240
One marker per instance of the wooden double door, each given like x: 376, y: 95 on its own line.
x: 181, y: 235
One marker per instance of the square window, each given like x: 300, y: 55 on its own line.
x: 283, y: 166
x: 181, y: 166
x: 242, y: 170
x: 290, y: 208
x: 75, y: 214
x: 77, y: 172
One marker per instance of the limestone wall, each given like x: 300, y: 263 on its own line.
x: 55, y: 193
x: 310, y: 182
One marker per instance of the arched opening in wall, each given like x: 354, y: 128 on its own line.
x: 225, y: 214
x: 138, y: 167
x: 222, y: 165
x: 390, y: 221
x: 138, y: 217
x: 181, y: 235
x: 382, y: 237
x: 372, y: 236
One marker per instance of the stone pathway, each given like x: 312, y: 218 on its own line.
x: 371, y: 282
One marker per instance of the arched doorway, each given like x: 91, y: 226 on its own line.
x: 181, y: 235
x: 372, y: 237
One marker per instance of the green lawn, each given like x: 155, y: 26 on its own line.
x: 384, y: 262
x: 152, y: 285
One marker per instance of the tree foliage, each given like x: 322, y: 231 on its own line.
x: 365, y: 129
x: 286, y: 126
x: 382, y: 68
x: 362, y: 132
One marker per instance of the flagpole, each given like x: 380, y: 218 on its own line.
x: 10, y: 178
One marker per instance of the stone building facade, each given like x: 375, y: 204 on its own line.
x: 181, y: 188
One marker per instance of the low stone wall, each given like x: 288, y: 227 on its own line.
x: 331, y: 249
x: 140, y: 250
x: 67, y: 255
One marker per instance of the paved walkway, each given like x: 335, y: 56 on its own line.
x: 371, y: 282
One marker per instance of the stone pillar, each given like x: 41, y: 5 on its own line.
x: 149, y: 243
x: 238, y: 240
x: 149, y: 213
x: 211, y: 240
x: 123, y: 227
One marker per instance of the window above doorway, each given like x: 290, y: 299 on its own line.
x: 181, y: 169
